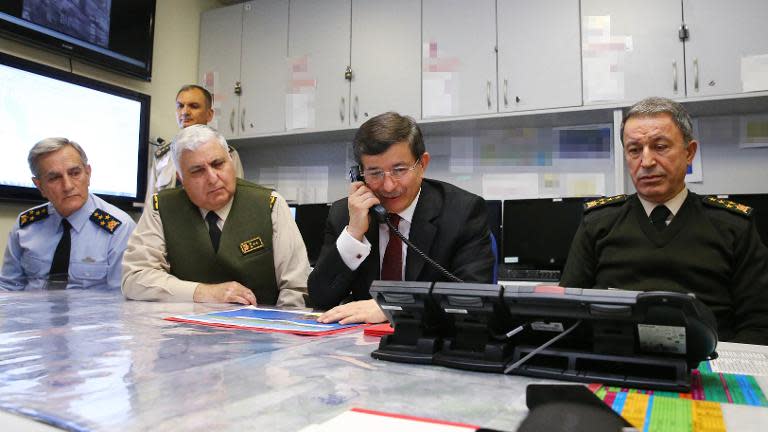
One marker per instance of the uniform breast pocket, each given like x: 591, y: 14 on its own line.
x: 88, y: 274
x: 34, y: 266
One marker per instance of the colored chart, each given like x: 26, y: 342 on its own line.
x: 698, y: 411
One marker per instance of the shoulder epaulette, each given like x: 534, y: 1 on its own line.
x: 734, y: 207
x: 162, y: 150
x: 272, y: 200
x: 155, y: 202
x: 33, y: 215
x: 605, y: 201
x: 105, y: 220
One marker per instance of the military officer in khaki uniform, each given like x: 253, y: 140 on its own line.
x: 219, y: 239
x: 194, y: 105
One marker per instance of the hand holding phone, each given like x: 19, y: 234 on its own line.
x: 378, y: 211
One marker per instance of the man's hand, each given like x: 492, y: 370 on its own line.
x: 361, y: 199
x: 227, y: 292
x: 355, y: 312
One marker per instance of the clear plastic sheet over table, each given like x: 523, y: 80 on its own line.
x: 90, y: 360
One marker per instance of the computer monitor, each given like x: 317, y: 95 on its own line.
x: 759, y: 204
x: 292, y: 208
x: 538, y: 232
x: 494, y: 223
x: 310, y: 218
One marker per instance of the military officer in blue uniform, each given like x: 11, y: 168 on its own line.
x: 76, y: 239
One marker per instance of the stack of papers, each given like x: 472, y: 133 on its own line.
x: 266, y: 320
x: 378, y: 330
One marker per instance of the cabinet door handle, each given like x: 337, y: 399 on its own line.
x: 696, y: 74
x: 674, y: 76
x: 232, y: 121
x: 242, y: 121
x: 355, y: 107
x: 506, y: 101
x: 342, y: 108
x: 488, y: 93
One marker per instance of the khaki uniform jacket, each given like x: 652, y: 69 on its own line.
x: 146, y: 271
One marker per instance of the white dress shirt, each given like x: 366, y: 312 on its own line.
x: 354, y: 252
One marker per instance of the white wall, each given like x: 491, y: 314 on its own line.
x: 177, y: 24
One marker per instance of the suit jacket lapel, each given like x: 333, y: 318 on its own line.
x: 423, y: 229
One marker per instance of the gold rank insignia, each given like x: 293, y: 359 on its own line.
x: 33, y: 215
x: 272, y: 200
x: 604, y: 201
x: 155, y: 202
x: 105, y: 220
x: 162, y: 150
x: 728, y: 205
x: 252, y: 245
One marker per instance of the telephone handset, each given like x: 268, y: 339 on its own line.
x: 378, y: 211
x: 380, y: 214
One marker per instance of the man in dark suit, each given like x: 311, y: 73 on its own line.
x: 445, y: 222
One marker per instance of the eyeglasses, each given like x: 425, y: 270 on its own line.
x: 377, y: 176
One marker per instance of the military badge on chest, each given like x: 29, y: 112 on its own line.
x: 250, y: 246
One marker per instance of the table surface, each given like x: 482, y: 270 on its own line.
x: 89, y: 360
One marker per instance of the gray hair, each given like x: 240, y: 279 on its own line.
x: 658, y: 105
x: 50, y: 145
x: 192, y: 137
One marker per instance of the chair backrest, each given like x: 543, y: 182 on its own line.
x: 495, y: 250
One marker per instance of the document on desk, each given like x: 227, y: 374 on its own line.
x: 358, y: 419
x: 740, y: 362
x: 266, y: 320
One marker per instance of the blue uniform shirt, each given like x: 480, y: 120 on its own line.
x: 95, y: 256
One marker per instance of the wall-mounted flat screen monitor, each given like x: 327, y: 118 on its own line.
x: 115, y: 34
x: 538, y: 232
x: 109, y: 122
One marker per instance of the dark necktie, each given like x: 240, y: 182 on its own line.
x: 392, y: 264
x: 60, y: 264
x: 659, y: 217
x: 213, y: 229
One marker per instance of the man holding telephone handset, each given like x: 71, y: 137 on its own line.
x: 448, y: 224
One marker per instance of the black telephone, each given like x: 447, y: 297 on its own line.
x: 378, y: 211
x: 380, y: 214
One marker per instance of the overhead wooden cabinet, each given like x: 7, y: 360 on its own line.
x: 264, y: 69
x: 386, y: 58
x: 243, y: 50
x: 219, y: 64
x: 539, y: 54
x: 458, y: 58
x: 727, y: 48
x: 318, y: 51
x: 631, y: 50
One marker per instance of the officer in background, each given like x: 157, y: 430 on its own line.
x: 667, y: 238
x: 219, y: 239
x: 76, y: 239
x: 194, y: 105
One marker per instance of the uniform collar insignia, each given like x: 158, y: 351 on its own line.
x: 33, y: 215
x: 604, y: 201
x: 162, y: 150
x: 734, y: 207
x: 105, y: 220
